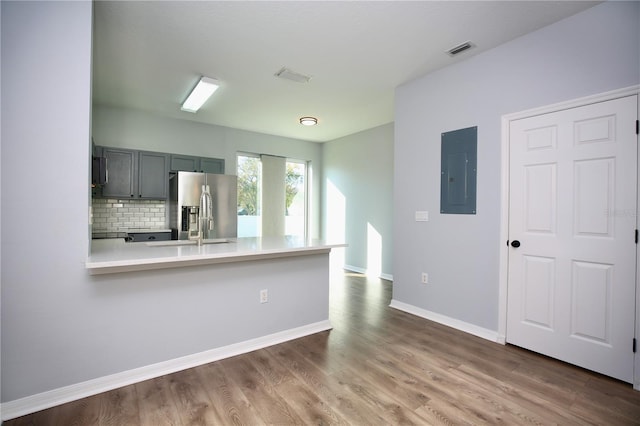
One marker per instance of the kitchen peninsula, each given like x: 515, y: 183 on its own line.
x: 116, y: 255
x: 185, y: 304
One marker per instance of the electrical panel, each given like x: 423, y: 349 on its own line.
x: 459, y: 158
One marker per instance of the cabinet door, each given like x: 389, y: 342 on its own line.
x: 121, y: 173
x: 212, y: 165
x: 184, y: 163
x: 153, y: 176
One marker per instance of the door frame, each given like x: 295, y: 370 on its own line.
x: 504, y: 207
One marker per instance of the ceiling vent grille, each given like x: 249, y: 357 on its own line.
x: 460, y: 48
x: 287, y: 74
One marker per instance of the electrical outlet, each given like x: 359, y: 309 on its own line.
x: 264, y: 296
x: 425, y: 278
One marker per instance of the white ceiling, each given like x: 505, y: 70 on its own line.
x: 149, y: 55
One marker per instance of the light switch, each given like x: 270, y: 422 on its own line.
x: 422, y: 216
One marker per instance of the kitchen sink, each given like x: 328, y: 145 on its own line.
x: 218, y: 241
x: 189, y: 242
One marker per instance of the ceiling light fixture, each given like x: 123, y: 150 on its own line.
x: 199, y: 95
x: 308, y: 121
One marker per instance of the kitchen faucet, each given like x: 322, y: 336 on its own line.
x: 205, y: 215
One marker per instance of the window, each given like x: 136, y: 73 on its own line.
x: 295, y: 198
x: 272, y: 196
x: 249, y: 182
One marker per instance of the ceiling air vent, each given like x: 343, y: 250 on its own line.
x: 287, y: 74
x: 460, y: 48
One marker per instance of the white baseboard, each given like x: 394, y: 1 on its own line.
x: 363, y: 271
x: 41, y: 401
x: 387, y: 277
x: 356, y: 269
x: 484, y: 333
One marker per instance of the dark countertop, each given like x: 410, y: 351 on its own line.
x: 101, y: 235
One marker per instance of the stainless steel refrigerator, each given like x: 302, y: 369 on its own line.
x: 185, y: 189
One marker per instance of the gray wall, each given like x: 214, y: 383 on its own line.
x: 0, y: 204
x: 592, y: 52
x: 360, y: 167
x: 46, y: 70
x: 126, y: 128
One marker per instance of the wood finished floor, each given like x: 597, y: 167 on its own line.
x: 378, y: 366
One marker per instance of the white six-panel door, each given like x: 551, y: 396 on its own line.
x: 572, y: 209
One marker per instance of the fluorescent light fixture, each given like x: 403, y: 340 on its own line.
x: 199, y: 95
x: 308, y: 121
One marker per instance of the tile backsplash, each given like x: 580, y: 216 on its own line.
x: 110, y: 215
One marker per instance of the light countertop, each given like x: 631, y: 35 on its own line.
x: 116, y: 255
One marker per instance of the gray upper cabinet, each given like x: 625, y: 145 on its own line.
x: 121, y: 170
x: 145, y: 174
x: 212, y: 165
x: 153, y: 175
x: 136, y: 174
x: 186, y: 163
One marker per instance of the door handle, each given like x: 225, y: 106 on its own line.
x: 515, y: 243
